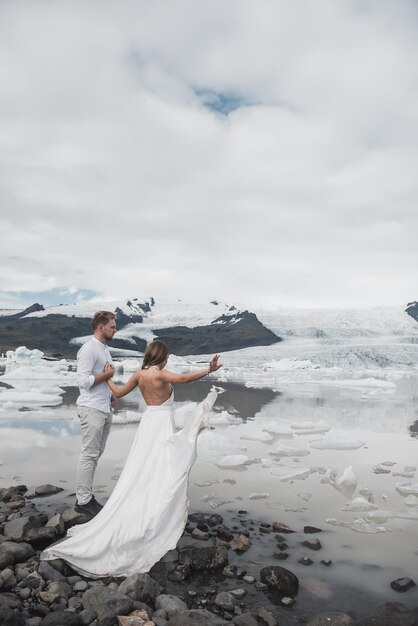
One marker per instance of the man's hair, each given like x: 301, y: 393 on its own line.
x: 156, y: 353
x: 102, y: 317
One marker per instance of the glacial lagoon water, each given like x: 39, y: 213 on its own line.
x: 297, y: 428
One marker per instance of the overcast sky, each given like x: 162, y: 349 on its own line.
x: 257, y: 151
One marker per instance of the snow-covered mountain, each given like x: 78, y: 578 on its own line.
x: 188, y: 328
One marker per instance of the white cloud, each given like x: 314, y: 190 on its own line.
x: 116, y: 177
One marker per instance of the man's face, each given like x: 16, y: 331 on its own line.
x: 108, y: 330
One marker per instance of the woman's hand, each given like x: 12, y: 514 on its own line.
x: 109, y: 370
x: 214, y: 365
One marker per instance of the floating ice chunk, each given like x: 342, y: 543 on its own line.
x: 363, y: 382
x: 362, y: 526
x: 388, y: 463
x: 207, y: 483
x: 8, y: 405
x: 130, y: 365
x: 347, y: 482
x: 253, y: 433
x: 207, y: 498
x: 211, y: 445
x: 282, y: 450
x: 381, y: 516
x: 407, y: 488
x: 298, y: 475
x: 258, y: 496
x: 29, y: 397
x: 277, y: 429
x: 366, y: 493
x: 328, y: 443
x: 284, y: 365
x: 232, y: 460
x: 404, y: 474
x: 335, y: 522
x: 311, y: 428
x: 45, y: 371
x: 22, y: 354
x: 359, y: 504
x: 215, y: 504
x: 330, y: 476
x: 222, y: 418
x: 304, y: 496
x: 378, y: 469
x: 130, y: 417
x: 411, y: 500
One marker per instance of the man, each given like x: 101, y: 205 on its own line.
x: 94, y: 406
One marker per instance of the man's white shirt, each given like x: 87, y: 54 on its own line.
x: 91, y: 359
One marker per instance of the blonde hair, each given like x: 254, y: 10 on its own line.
x: 156, y: 353
x: 102, y: 317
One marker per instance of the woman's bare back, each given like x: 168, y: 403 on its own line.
x: 155, y: 391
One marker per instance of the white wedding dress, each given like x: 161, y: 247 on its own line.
x: 147, y: 511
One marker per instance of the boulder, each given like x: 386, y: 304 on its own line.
x: 205, y: 557
x: 280, y: 580
x: 8, y: 617
x: 12, y: 553
x: 170, y: 604
x: 49, y: 573
x: 389, y: 614
x: 47, y: 490
x: 107, y: 604
x: 61, y: 618
x: 141, y: 587
x: 211, y: 519
x: 197, y: 617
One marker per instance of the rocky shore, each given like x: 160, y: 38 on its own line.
x: 200, y: 584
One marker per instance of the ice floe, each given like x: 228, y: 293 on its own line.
x: 382, y: 516
x: 359, y: 504
x: 252, y: 432
x: 232, y: 460
x: 407, y: 488
x: 128, y: 417
x: 301, y: 474
x: 282, y: 450
x: 334, y: 443
x: 15, y: 398
x: 258, y: 495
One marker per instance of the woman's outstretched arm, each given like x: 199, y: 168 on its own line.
x: 170, y: 377
x: 123, y: 390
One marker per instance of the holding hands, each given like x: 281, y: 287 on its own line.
x: 109, y: 370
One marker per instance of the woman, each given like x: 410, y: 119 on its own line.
x: 146, y: 513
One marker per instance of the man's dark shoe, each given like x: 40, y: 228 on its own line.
x: 87, y: 509
x: 97, y: 506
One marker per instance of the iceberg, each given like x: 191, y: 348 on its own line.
x: 232, y: 460
x: 282, y: 450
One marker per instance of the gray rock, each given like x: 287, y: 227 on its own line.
x: 225, y: 601
x: 140, y: 587
x: 8, y: 579
x: 61, y: 618
x: 62, y: 589
x: 266, y: 618
x: 75, y: 603
x: 171, y: 604
x: 11, y: 553
x: 41, y: 537
x: 159, y: 621
x: 71, y: 518
x: 80, y: 586
x: 9, y: 601
x: 280, y: 579
x: 205, y: 557
x: 33, y: 621
x: 197, y: 617
x: 389, y: 614
x: 47, y: 490
x: 311, y: 530
x: 13, y: 491
x: 238, y: 593
x: 8, y: 617
x: 17, y: 529
x: 402, y: 584
x: 106, y: 604
x: 25, y: 593
x: 86, y: 617
x: 333, y: 618
x: 200, y: 534
x: 312, y: 544
x: 58, y: 523
x: 49, y: 573
x: 245, y: 619
x: 211, y: 519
